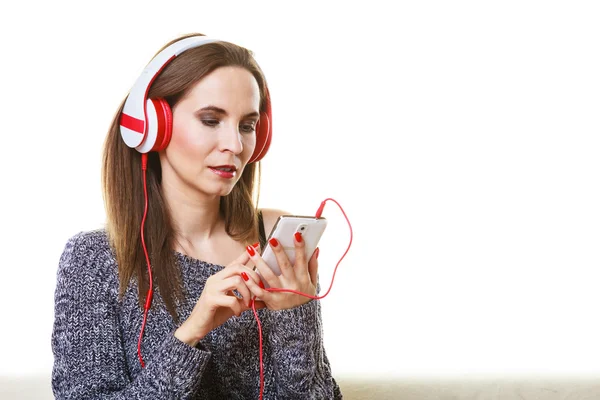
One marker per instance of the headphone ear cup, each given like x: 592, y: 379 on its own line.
x: 165, y: 124
x: 264, y: 131
x: 263, y: 138
x: 160, y: 125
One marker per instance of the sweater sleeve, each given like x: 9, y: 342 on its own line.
x: 89, y: 360
x: 301, y: 366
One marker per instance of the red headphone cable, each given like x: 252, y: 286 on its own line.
x: 149, y: 295
x: 317, y: 215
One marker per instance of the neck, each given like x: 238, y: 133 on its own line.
x: 195, y: 218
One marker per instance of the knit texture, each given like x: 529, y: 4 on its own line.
x: 95, y: 337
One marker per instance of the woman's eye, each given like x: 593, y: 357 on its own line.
x: 248, y: 128
x: 210, y: 122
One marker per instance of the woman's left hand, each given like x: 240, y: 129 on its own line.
x: 301, y: 277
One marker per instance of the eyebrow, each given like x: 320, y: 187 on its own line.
x: 222, y: 111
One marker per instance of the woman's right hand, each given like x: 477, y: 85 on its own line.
x: 217, y: 302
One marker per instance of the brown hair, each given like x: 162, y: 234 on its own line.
x: 122, y: 181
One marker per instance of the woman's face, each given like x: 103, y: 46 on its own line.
x: 213, y: 134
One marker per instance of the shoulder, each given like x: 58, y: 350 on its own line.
x: 87, y: 244
x: 270, y: 216
x: 86, y: 255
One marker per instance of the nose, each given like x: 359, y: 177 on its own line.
x: 231, y: 140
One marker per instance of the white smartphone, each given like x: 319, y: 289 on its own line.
x: 286, y: 226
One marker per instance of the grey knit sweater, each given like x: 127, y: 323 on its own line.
x: 95, y: 338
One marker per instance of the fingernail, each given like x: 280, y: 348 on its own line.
x: 317, y: 253
x: 262, y: 285
x: 273, y: 242
x: 255, y: 244
x: 251, y: 251
x: 298, y: 237
x: 245, y: 276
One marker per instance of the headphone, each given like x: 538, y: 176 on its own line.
x: 147, y: 124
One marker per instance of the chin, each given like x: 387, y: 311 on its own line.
x: 212, y: 186
x: 226, y: 192
x: 218, y: 190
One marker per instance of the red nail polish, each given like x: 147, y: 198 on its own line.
x: 262, y: 285
x: 245, y: 276
x: 273, y: 242
x: 317, y: 253
x: 255, y: 244
x: 298, y: 237
x: 251, y: 251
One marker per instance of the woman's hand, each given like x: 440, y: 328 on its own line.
x: 301, y: 277
x: 218, y: 303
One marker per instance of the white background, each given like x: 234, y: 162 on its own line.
x: 461, y: 138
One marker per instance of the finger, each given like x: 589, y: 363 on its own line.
x: 237, y: 282
x: 233, y: 303
x: 300, y: 266
x: 231, y: 276
x: 282, y: 259
x: 313, y: 267
x: 258, y: 251
x: 243, y: 258
x: 254, y: 281
x: 257, y: 290
x: 254, y: 275
x: 267, y: 274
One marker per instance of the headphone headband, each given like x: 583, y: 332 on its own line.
x: 134, y: 115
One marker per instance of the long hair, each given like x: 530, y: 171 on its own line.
x: 122, y: 182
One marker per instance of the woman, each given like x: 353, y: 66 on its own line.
x: 158, y: 304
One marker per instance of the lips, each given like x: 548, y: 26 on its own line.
x: 225, y: 168
x: 224, y: 171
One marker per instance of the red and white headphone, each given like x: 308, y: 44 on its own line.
x: 147, y: 124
